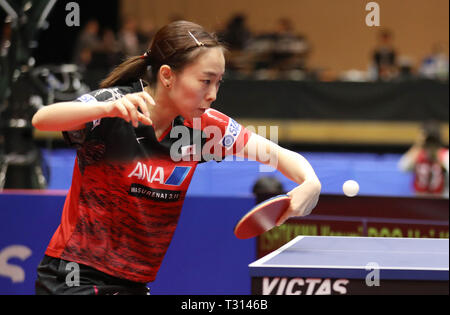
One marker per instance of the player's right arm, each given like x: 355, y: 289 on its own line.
x: 67, y: 116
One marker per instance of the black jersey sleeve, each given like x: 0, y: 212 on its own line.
x: 76, y: 138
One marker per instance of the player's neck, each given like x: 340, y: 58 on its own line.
x: 163, y: 113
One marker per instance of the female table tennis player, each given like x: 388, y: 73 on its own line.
x: 128, y: 189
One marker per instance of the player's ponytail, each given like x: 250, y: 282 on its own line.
x: 176, y: 45
x: 130, y: 70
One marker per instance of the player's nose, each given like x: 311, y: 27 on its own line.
x: 211, y: 95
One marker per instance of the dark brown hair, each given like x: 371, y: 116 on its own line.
x: 432, y: 133
x: 177, y: 44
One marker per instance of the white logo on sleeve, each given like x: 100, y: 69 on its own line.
x: 87, y: 98
x: 231, y: 133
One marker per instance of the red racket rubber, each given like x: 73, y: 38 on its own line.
x: 262, y: 217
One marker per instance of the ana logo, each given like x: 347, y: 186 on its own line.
x: 15, y: 273
x: 156, y: 175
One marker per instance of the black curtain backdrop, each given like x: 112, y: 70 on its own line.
x: 416, y: 100
x: 56, y: 44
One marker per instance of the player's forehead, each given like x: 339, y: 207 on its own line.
x: 210, y: 63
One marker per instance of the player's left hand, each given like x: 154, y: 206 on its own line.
x: 303, y: 200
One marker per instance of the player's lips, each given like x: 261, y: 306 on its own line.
x: 198, y: 112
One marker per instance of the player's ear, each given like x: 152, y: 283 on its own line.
x: 166, y: 75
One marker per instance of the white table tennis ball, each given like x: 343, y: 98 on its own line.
x: 350, y: 188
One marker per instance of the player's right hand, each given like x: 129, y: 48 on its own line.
x: 127, y: 108
x: 304, y: 198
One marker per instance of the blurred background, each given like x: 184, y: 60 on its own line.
x: 359, y: 102
x: 314, y: 69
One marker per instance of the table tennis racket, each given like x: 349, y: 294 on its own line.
x: 262, y: 217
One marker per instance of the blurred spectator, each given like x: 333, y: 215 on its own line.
x: 267, y: 187
x: 436, y: 65
x: 405, y: 69
x: 106, y: 56
x: 280, y: 54
x: 108, y: 53
x: 385, y: 57
x: 128, y: 38
x: 429, y: 160
x: 260, y: 54
x: 290, y: 49
x: 5, y: 42
x: 236, y: 34
x: 87, y: 42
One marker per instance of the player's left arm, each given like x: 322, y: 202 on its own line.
x: 291, y: 164
x: 239, y: 141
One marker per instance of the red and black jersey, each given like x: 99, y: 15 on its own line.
x: 429, y: 174
x: 127, y: 191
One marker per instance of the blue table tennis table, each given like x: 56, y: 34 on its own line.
x: 311, y: 265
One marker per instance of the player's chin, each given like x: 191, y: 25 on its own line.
x: 198, y: 112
